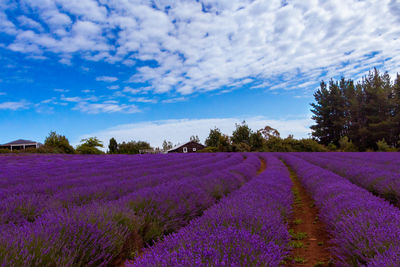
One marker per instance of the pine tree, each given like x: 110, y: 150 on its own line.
x: 113, y: 146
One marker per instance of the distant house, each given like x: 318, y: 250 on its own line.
x: 189, y: 147
x: 20, y: 144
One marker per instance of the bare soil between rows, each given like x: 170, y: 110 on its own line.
x: 310, y: 240
x: 263, y: 166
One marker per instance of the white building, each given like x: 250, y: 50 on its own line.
x: 21, y: 144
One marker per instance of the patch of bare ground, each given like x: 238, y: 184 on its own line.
x: 263, y: 166
x: 310, y: 240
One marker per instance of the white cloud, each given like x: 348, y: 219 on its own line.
x: 254, y: 43
x: 143, y: 100
x: 71, y: 99
x: 30, y: 23
x: 179, y: 131
x: 131, y: 90
x: 174, y: 100
x: 65, y: 61
x: 3, y: 93
x: 61, y: 90
x: 14, y: 105
x: 106, y: 79
x: 113, y: 87
x: 105, y: 107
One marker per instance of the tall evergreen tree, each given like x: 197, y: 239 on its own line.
x: 396, y: 108
x: 366, y: 113
x: 113, y: 146
x: 328, y: 114
x: 377, y: 91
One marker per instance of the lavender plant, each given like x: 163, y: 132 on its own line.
x: 105, y: 231
x: 247, y: 228
x: 376, y: 178
x: 364, y: 228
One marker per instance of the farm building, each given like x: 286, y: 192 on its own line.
x: 20, y: 144
x: 189, y: 147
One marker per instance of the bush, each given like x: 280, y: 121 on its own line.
x: 209, y: 149
x: 384, y: 147
x: 90, y: 146
x: 58, y: 144
x: 347, y: 145
x: 86, y: 149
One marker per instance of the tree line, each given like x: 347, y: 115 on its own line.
x: 243, y: 139
x: 348, y: 116
x: 59, y: 144
x: 362, y: 116
x: 267, y: 139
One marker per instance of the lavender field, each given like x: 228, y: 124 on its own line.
x: 199, y: 209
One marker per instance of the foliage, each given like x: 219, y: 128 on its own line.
x: 218, y: 140
x: 209, y: 149
x: 241, y: 147
x: 113, y: 146
x: 213, y: 138
x: 384, y: 147
x: 269, y: 132
x: 133, y: 147
x: 289, y: 144
x: 89, y: 146
x: 366, y: 112
x: 56, y: 143
x: 267, y: 139
x: 195, y: 139
x: 257, y: 141
x: 167, y: 145
x: 241, y: 134
x: 347, y: 145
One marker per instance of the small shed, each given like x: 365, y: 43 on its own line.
x: 189, y: 147
x: 20, y: 144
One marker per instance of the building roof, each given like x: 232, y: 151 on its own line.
x: 180, y: 145
x: 20, y: 142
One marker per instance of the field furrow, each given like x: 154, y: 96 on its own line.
x: 364, y: 228
x: 103, y: 233
x: 380, y: 182
x: 42, y: 200
x: 310, y: 239
x: 247, y: 228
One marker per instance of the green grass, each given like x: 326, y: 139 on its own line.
x: 299, y: 235
x: 299, y: 260
x: 296, y: 244
x: 298, y: 221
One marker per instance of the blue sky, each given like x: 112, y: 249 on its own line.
x: 154, y: 70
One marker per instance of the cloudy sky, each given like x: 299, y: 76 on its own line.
x: 164, y: 69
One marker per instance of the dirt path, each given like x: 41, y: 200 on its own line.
x: 263, y: 166
x: 310, y: 241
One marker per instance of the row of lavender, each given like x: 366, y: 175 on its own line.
x: 103, y: 232
x: 387, y: 161
x: 25, y: 202
x: 384, y: 160
x: 248, y: 228
x: 361, y: 170
x: 364, y: 228
x: 47, y: 168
